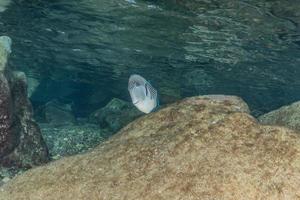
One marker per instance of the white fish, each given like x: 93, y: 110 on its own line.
x: 143, y: 95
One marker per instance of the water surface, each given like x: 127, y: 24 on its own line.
x: 82, y: 52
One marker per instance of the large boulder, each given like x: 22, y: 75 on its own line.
x: 200, y: 148
x: 288, y: 116
x: 21, y: 143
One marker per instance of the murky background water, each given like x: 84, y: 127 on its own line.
x: 82, y: 52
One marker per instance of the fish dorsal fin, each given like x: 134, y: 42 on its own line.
x: 151, y: 92
x: 136, y: 80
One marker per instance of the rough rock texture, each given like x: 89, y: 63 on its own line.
x: 285, y: 116
x: 199, y: 148
x: 115, y: 115
x: 71, y: 139
x: 21, y: 144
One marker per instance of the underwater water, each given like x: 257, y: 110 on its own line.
x: 83, y: 52
x: 78, y: 57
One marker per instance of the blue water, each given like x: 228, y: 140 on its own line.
x: 82, y: 52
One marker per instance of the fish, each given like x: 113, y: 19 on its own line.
x: 143, y: 95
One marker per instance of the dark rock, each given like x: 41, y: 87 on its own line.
x: 8, y: 137
x: 21, y: 143
x: 116, y: 114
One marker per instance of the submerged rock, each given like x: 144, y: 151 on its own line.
x: 288, y: 116
x: 200, y: 148
x: 21, y: 144
x: 115, y: 115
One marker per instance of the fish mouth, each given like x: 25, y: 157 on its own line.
x: 134, y: 103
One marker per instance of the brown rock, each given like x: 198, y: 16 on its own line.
x: 199, y: 148
x: 288, y: 116
x: 21, y: 143
x: 30, y: 149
